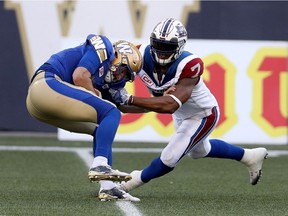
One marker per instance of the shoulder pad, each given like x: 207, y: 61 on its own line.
x: 102, y: 46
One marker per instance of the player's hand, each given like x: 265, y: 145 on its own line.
x: 97, y: 92
x: 170, y: 90
x: 120, y: 96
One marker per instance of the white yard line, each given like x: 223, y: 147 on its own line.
x: 85, y: 154
x: 277, y: 153
x: 72, y: 149
x: 126, y: 207
x: 85, y: 151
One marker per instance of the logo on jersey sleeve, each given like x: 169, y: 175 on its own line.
x: 146, y: 79
x: 101, y: 71
x: 100, y: 47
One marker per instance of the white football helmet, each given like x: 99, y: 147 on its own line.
x: 167, y: 41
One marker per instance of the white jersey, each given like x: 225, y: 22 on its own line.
x: 187, y: 65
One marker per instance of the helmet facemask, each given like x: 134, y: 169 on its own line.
x: 119, y: 71
x: 165, y: 52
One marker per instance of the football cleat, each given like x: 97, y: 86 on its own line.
x: 135, y: 182
x: 116, y: 194
x: 99, y: 173
x: 253, y: 159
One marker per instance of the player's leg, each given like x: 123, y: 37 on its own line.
x: 108, y: 190
x: 75, y: 109
x: 214, y: 148
x: 50, y: 102
x: 104, y: 136
x: 252, y: 158
x: 217, y: 149
x: 188, y: 133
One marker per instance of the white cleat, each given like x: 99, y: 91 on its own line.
x: 135, y: 182
x: 253, y: 159
x: 116, y: 194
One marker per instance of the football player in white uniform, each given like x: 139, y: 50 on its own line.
x: 173, y: 76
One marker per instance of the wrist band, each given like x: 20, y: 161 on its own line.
x: 176, y: 99
x: 130, y: 100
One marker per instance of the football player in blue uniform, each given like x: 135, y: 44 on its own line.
x: 173, y: 76
x: 71, y: 91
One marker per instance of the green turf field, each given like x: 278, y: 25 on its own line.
x: 55, y: 183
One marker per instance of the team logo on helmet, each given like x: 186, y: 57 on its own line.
x: 125, y: 65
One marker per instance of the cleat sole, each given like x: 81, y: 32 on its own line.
x: 97, y: 178
x: 105, y: 197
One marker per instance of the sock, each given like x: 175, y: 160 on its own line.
x: 107, y: 185
x: 94, y: 149
x: 221, y: 149
x: 156, y: 169
x: 105, y: 134
x: 99, y: 161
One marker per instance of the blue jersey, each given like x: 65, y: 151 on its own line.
x: 156, y: 84
x: 95, y: 55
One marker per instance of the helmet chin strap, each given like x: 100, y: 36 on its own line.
x: 108, y: 77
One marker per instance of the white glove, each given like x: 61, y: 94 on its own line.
x: 120, y: 96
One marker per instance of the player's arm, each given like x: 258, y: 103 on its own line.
x: 173, y: 99
x: 131, y: 109
x: 168, y: 103
x: 90, y: 61
x: 82, y: 77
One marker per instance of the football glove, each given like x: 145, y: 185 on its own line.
x: 120, y: 96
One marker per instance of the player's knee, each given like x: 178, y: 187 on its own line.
x: 168, y: 158
x: 196, y: 154
x: 200, y: 150
x: 115, y: 113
